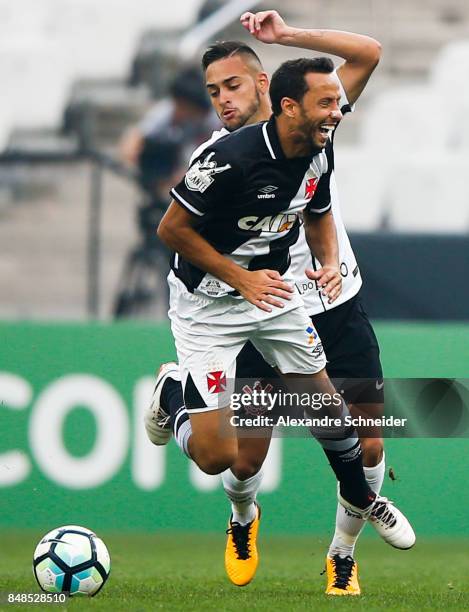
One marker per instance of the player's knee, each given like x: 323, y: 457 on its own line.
x: 246, y: 468
x: 372, y: 449
x: 216, y: 461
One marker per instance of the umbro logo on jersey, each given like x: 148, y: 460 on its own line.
x: 266, y: 192
x: 318, y: 350
x: 272, y: 224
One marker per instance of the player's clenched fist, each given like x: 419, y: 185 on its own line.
x: 261, y: 286
x: 266, y: 26
x: 329, y: 281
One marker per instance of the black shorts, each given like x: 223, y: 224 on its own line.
x: 352, y: 351
x: 351, y: 348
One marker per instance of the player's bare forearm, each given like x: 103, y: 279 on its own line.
x: 321, y: 236
x: 361, y: 53
x: 353, y: 48
x: 177, y: 232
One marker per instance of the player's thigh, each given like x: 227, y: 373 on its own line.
x: 319, y: 397
x: 290, y: 343
x: 250, y: 364
x: 354, y: 364
x: 209, y: 334
x: 353, y: 356
x: 359, y: 377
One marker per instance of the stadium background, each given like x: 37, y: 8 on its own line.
x: 76, y: 395
x: 76, y: 76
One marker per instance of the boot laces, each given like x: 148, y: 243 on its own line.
x: 240, y: 535
x: 383, y: 513
x: 343, y: 567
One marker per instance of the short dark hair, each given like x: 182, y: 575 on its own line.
x: 228, y: 48
x: 289, y: 79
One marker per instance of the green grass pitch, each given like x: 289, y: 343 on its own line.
x: 185, y: 572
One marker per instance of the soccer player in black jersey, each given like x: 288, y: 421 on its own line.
x: 226, y: 73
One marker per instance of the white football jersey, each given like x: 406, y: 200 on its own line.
x: 301, y: 257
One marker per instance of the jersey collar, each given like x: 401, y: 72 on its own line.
x: 272, y: 142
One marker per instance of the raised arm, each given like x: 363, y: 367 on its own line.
x: 177, y: 231
x: 361, y: 53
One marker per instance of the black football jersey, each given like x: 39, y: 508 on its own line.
x: 247, y: 198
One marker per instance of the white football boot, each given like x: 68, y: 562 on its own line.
x: 156, y: 419
x: 388, y: 521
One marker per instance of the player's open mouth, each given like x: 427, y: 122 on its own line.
x: 327, y: 129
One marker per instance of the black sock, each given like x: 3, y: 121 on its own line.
x: 343, y: 449
x: 172, y: 398
x: 172, y: 402
x: 348, y: 468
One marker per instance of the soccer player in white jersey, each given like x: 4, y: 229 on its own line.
x: 238, y: 88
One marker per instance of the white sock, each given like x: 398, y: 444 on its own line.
x: 242, y: 494
x: 375, y: 475
x: 348, y: 527
x: 182, y: 430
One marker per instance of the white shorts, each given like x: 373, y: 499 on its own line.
x: 210, y: 332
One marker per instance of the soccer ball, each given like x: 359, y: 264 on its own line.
x: 71, y: 560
